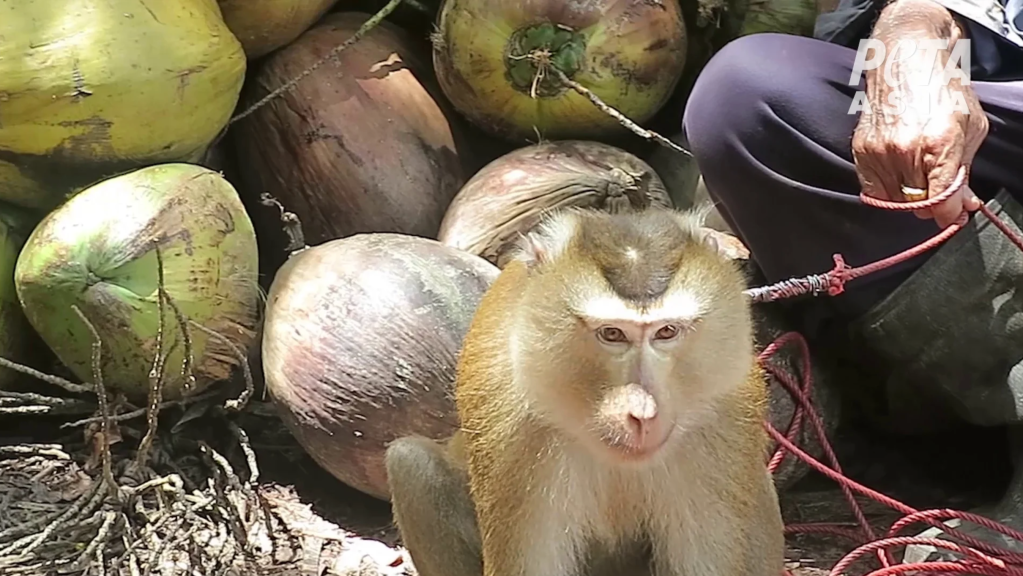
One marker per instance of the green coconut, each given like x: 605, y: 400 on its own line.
x: 496, y: 62
x: 98, y: 251
x: 90, y: 88
x: 18, y: 341
x: 795, y: 17
x: 263, y: 26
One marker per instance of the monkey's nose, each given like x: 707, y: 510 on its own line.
x: 638, y: 426
x: 640, y: 418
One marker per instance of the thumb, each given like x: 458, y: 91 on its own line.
x: 970, y: 200
x: 938, y: 180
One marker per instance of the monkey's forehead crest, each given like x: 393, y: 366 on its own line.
x: 626, y: 247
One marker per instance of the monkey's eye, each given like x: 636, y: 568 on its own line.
x: 611, y: 334
x: 667, y: 332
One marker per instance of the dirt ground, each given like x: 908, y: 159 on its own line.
x: 297, y: 519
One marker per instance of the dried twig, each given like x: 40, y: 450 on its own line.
x: 250, y: 387
x: 238, y: 527
x: 101, y: 397
x: 289, y: 222
x: 617, y: 115
x: 53, y: 450
x: 157, y: 369
x: 94, y: 551
x: 188, y: 361
x: 21, y: 410
x: 250, y: 455
x: 142, y: 411
x: 55, y: 380
x: 64, y: 404
x: 82, y: 506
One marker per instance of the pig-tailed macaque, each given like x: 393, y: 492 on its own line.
x: 611, y: 411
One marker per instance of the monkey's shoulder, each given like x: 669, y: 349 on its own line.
x: 743, y: 411
x: 483, y: 362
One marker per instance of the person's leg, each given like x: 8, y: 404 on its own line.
x: 769, y: 125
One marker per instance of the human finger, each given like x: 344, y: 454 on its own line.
x: 970, y: 200
x: 914, y: 182
x: 939, y: 179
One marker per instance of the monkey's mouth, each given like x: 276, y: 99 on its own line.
x: 632, y: 447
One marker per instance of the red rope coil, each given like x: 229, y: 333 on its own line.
x: 977, y: 557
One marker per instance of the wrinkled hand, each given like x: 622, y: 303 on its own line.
x: 918, y: 149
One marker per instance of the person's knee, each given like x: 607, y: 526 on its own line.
x: 735, y: 93
x: 754, y: 86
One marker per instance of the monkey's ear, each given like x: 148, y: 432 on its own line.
x: 724, y: 244
x: 547, y: 240
x: 692, y: 222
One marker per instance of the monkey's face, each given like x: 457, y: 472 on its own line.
x: 628, y: 380
x: 630, y: 328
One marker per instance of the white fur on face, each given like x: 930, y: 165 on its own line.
x: 679, y: 305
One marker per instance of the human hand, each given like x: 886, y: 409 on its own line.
x: 917, y: 134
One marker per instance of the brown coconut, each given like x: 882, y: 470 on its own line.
x: 363, y: 144
x: 509, y: 195
x: 360, y: 345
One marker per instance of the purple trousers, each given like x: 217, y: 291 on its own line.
x: 768, y: 124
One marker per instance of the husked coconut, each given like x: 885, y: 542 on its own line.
x: 360, y: 346
x: 509, y: 196
x: 363, y: 144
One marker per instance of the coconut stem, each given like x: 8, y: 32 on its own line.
x: 50, y: 379
x: 362, y: 31
x: 156, y: 372
x: 101, y: 398
x: 289, y: 222
x: 621, y: 118
x: 250, y: 386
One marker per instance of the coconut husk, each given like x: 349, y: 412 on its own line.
x: 363, y: 144
x: 101, y: 252
x: 263, y: 26
x: 98, y: 88
x: 796, y: 17
x: 508, y: 197
x: 360, y: 346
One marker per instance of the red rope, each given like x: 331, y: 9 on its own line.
x: 977, y: 557
x: 833, y: 281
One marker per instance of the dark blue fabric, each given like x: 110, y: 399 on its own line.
x: 993, y: 57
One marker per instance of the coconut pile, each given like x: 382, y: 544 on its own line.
x: 241, y: 242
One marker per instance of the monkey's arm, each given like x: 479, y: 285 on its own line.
x: 431, y: 505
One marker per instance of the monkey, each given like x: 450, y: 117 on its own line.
x: 610, y: 410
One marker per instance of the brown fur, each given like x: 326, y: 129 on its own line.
x: 524, y: 474
x: 526, y: 487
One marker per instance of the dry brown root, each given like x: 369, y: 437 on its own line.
x: 138, y: 515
